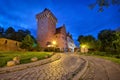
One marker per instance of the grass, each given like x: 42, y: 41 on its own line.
x: 116, y: 60
x: 24, y: 56
x: 103, y: 55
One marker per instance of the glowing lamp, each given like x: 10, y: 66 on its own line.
x: 54, y: 43
x: 83, y: 46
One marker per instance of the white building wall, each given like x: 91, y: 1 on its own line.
x: 71, y: 44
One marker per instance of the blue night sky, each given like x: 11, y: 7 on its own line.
x: 75, y: 14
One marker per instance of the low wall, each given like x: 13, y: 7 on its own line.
x: 9, y: 45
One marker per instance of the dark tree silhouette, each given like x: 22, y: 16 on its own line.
x: 107, y: 37
x: 104, y: 3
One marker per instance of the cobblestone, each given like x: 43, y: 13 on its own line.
x: 29, y: 65
x: 101, y: 69
x: 61, y: 69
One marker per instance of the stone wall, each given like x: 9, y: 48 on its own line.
x: 9, y: 45
x: 47, y: 32
x: 61, y: 38
x: 46, y: 22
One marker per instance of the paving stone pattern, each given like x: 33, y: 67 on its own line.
x: 61, y: 69
x: 101, y: 69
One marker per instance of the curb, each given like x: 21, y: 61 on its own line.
x: 81, y: 73
x: 29, y: 65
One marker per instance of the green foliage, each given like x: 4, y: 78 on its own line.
x: 98, y: 45
x: 10, y: 33
x: 89, y: 41
x: 113, y: 56
x: 10, y: 30
x: 37, y: 47
x: 116, y: 60
x: 24, y: 56
x: 1, y: 30
x: 108, y: 54
x: 52, y: 49
x: 107, y: 37
x: 27, y: 43
x: 49, y: 49
x: 116, y: 42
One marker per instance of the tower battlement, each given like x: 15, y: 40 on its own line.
x: 46, y: 13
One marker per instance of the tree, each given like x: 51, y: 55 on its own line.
x: 10, y: 33
x: 118, y: 28
x: 27, y: 43
x: 10, y: 30
x: 27, y: 32
x: 20, y: 34
x: 80, y: 39
x: 107, y: 37
x: 104, y: 3
x: 1, y: 31
x: 116, y: 42
x: 89, y: 41
x: 98, y: 45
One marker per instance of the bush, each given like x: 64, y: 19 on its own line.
x: 57, y: 49
x: 117, y: 56
x: 98, y: 53
x: 37, y: 48
x: 49, y: 49
x: 52, y: 49
x: 27, y: 43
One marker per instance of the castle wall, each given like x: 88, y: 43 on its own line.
x: 61, y: 42
x: 51, y: 28
x: 46, y: 27
x: 42, y: 31
x: 62, y: 39
x: 47, y: 32
x: 9, y: 45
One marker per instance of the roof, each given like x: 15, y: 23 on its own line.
x: 69, y: 35
x: 60, y: 29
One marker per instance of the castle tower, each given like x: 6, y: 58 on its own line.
x: 46, y: 29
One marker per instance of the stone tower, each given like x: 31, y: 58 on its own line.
x: 46, y: 30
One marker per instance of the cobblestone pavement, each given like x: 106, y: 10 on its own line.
x: 61, y: 69
x: 100, y: 69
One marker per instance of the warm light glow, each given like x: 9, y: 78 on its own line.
x: 83, y: 46
x: 54, y: 43
x: 49, y: 46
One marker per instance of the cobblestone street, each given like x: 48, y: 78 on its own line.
x: 65, y: 67
x: 61, y: 69
x: 101, y: 69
